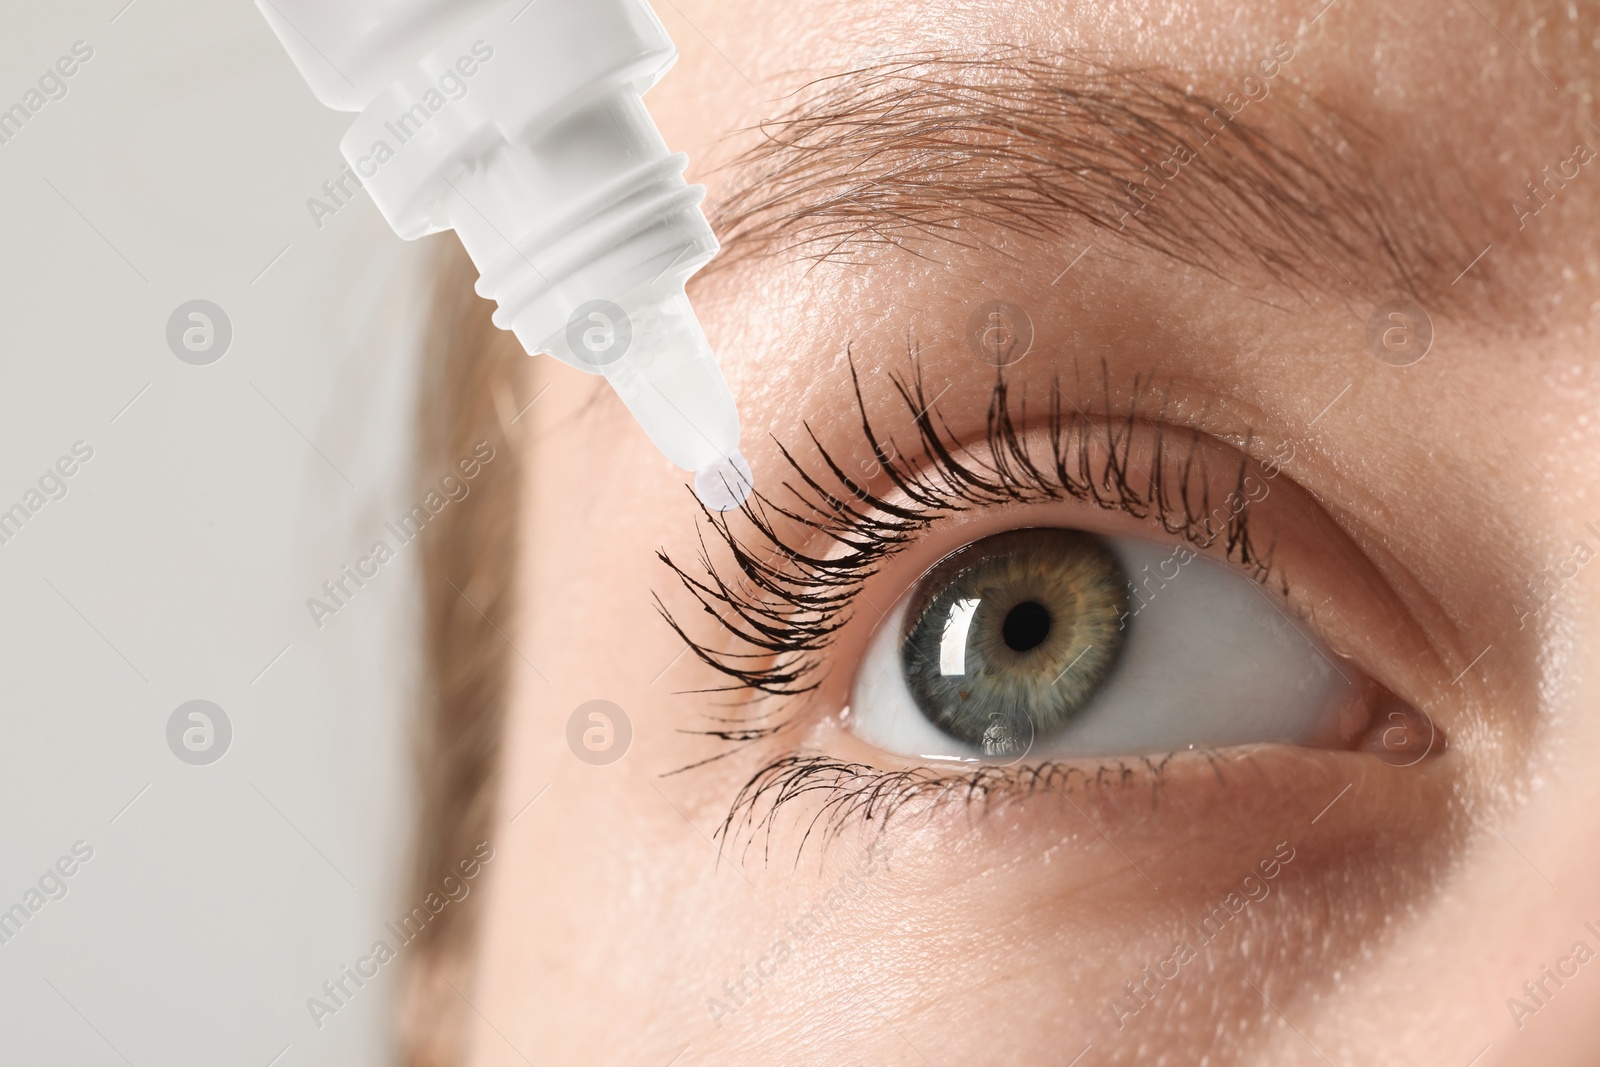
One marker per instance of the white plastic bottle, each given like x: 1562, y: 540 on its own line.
x: 521, y: 126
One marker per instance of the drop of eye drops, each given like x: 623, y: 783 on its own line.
x: 724, y: 484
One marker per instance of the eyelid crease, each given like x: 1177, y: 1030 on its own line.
x: 785, y: 610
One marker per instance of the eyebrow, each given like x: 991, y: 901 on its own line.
x: 1260, y: 184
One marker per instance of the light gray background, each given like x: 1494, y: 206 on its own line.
x: 178, y: 566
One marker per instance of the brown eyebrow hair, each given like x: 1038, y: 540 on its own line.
x: 946, y: 148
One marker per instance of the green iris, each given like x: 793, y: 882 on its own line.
x: 1008, y: 638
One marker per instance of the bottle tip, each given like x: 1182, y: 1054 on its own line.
x: 724, y: 484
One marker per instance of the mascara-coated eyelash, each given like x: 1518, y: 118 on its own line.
x: 791, y: 598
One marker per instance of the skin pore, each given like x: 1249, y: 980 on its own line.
x: 1039, y: 918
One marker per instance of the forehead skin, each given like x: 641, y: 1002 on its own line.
x: 610, y: 921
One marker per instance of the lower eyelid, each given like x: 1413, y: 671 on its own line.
x: 1153, y: 807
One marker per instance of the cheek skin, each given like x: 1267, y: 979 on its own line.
x: 606, y: 889
x: 1038, y: 911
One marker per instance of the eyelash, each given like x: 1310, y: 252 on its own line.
x: 790, y: 602
x: 849, y: 791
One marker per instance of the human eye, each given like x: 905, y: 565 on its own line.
x: 1049, y: 642
x: 1056, y: 596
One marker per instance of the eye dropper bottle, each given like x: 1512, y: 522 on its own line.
x: 521, y: 126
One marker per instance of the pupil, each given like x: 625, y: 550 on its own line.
x: 1026, y: 626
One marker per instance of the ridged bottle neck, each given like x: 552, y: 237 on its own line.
x: 594, y: 205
